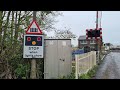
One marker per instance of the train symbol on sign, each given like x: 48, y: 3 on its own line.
x: 33, y: 28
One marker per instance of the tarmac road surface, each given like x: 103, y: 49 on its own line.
x: 110, y: 67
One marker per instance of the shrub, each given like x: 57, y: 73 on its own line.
x: 89, y: 74
x: 71, y: 76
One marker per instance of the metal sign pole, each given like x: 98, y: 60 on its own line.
x: 33, y: 61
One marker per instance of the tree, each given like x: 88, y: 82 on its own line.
x: 64, y: 34
x: 12, y: 28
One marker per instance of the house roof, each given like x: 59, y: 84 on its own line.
x: 83, y: 37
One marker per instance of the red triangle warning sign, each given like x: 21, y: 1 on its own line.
x: 33, y: 28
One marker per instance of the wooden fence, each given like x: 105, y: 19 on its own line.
x: 84, y: 62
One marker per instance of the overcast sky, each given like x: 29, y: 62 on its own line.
x: 79, y: 21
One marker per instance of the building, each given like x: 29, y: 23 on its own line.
x: 85, y: 44
x: 108, y: 46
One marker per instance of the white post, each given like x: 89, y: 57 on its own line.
x: 95, y: 59
x: 76, y: 66
x: 89, y: 60
x: 94, y: 55
x: 98, y: 56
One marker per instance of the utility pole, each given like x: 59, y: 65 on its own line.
x: 33, y: 61
x: 96, y: 19
x: 97, y: 28
x: 97, y: 41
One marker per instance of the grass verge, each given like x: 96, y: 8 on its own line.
x: 90, y: 74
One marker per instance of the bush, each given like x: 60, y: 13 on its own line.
x: 22, y: 71
x: 84, y: 76
x: 71, y: 76
x: 90, y: 74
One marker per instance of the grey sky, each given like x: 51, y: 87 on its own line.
x: 79, y: 21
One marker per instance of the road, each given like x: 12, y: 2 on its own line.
x: 110, y: 67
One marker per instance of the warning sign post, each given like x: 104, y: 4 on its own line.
x: 33, y: 42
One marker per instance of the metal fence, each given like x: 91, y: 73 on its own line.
x: 84, y: 62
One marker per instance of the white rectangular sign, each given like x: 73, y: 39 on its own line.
x: 33, y: 46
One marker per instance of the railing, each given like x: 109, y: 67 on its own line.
x: 84, y: 62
